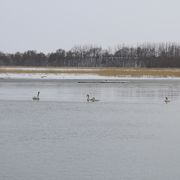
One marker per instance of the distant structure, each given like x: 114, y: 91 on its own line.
x: 36, y: 98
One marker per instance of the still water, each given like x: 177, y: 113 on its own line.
x: 130, y: 134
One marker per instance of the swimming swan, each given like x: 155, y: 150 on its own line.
x: 91, y: 99
x: 36, y: 97
x: 166, y: 100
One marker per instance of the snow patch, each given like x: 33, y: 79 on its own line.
x: 73, y: 76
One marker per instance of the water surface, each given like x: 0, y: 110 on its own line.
x: 129, y: 134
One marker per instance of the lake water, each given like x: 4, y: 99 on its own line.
x: 130, y: 134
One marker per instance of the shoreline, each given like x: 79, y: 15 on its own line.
x: 87, y: 73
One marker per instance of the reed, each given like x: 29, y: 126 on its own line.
x: 138, y: 72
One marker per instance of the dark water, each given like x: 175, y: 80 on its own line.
x: 130, y: 134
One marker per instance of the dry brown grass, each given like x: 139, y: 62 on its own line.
x: 134, y: 72
x: 137, y: 72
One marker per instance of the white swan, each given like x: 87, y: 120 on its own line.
x: 36, y: 97
x: 93, y: 99
x: 166, y: 100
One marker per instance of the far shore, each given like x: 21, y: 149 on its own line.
x: 113, y: 72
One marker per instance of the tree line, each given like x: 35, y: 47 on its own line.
x: 162, y: 55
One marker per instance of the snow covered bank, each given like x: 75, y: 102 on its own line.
x: 51, y: 76
x: 87, y: 73
x: 73, y: 76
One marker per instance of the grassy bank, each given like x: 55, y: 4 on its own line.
x: 134, y: 72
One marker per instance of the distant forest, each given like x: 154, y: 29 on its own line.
x: 162, y: 55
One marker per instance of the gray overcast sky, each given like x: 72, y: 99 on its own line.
x: 46, y: 25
